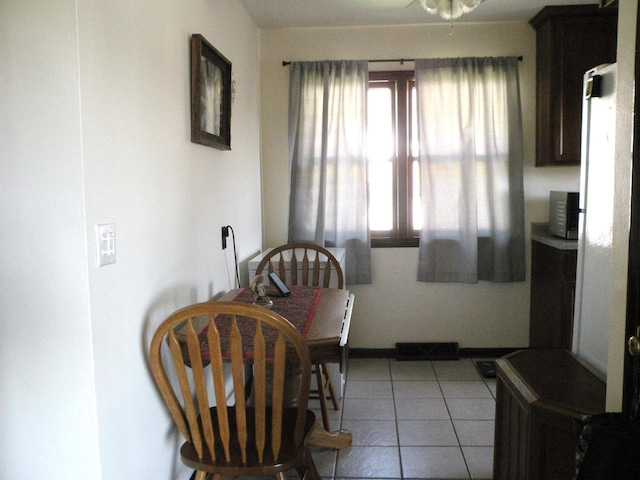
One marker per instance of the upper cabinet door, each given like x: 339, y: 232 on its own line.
x: 569, y: 41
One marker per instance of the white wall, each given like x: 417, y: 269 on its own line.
x: 95, y: 129
x: 47, y: 394
x: 397, y: 308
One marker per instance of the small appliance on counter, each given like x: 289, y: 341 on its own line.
x: 563, y: 214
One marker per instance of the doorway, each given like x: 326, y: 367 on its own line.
x: 631, y: 389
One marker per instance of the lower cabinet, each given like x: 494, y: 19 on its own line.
x: 553, y: 287
x: 539, y: 395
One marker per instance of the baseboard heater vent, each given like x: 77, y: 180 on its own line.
x: 427, y: 351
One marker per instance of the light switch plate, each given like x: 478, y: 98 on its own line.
x: 106, y: 243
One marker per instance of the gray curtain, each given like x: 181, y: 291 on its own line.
x: 471, y: 155
x: 327, y: 149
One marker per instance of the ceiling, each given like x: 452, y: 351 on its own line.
x: 270, y: 14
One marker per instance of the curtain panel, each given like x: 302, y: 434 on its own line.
x: 328, y: 160
x: 471, y: 168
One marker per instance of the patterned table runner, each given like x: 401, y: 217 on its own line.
x: 298, y: 308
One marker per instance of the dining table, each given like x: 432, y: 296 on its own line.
x: 321, y: 314
x: 323, y: 317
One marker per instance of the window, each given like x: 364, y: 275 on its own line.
x: 392, y: 151
x: 470, y: 129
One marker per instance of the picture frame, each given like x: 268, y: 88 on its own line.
x: 210, y: 95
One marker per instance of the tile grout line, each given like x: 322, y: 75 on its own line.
x: 344, y: 396
x: 395, y: 418
x: 455, y: 431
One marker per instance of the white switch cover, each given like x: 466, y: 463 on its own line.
x: 106, y: 242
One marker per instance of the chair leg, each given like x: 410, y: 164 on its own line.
x: 322, y: 395
x: 329, y: 383
x: 310, y: 471
x: 323, y: 379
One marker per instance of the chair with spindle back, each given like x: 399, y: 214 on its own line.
x: 305, y: 271
x: 263, y: 435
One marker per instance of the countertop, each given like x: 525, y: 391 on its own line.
x: 540, y: 233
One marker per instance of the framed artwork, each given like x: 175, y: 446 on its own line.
x: 210, y: 95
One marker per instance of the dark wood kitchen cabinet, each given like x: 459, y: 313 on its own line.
x: 539, y: 395
x: 553, y: 286
x: 569, y: 41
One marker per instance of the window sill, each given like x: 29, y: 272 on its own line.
x: 394, y: 242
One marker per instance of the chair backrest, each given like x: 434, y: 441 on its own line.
x: 237, y: 334
x: 297, y: 256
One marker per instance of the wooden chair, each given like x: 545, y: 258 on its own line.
x: 305, y: 271
x: 256, y: 436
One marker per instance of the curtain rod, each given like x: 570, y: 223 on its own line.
x: 401, y: 60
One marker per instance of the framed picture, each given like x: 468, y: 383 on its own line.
x: 210, y: 95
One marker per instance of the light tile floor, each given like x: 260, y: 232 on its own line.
x: 412, y: 420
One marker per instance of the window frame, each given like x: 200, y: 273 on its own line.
x: 401, y: 235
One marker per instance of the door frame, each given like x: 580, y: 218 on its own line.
x: 631, y: 367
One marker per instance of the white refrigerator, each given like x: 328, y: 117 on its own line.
x: 593, y: 280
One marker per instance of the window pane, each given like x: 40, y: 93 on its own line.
x: 380, y: 131
x: 381, y: 151
x: 416, y: 201
x: 380, y: 196
x: 415, y: 146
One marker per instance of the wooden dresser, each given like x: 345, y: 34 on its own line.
x: 539, y: 395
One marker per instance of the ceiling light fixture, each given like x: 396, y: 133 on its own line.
x: 450, y: 9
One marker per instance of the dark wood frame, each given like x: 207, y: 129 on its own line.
x: 401, y: 235
x: 201, y: 50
